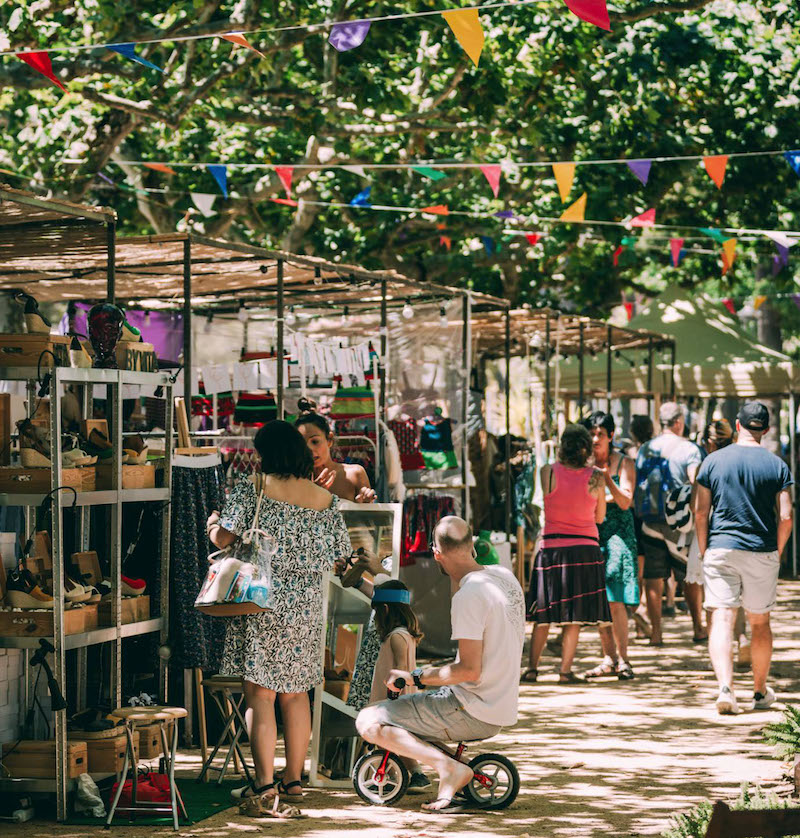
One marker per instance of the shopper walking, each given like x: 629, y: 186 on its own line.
x: 279, y: 652
x: 618, y: 545
x: 664, y: 463
x: 641, y: 431
x: 741, y: 548
x: 568, y: 585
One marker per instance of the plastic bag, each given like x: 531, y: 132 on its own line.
x: 87, y: 797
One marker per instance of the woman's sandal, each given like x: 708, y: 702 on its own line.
x: 602, y: 670
x: 283, y: 788
x: 529, y: 676
x: 625, y: 671
x: 569, y: 678
x: 263, y: 804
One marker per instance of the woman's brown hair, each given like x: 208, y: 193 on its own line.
x: 392, y: 615
x: 575, y: 447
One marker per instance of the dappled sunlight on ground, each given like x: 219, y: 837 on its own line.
x: 607, y: 758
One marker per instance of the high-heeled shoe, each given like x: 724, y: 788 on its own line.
x: 34, y: 445
x: 134, y: 450
x: 23, y: 591
x: 99, y: 445
x: 35, y: 322
x: 130, y: 334
x: 79, y: 358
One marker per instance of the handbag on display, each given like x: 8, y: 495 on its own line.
x: 239, y: 580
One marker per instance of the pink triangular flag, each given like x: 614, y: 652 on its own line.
x: 493, y: 173
x: 592, y: 11
x: 240, y: 40
x: 40, y: 61
x: 160, y: 167
x: 617, y: 254
x: 715, y: 166
x: 532, y: 238
x: 646, y: 219
x: 438, y: 209
x: 289, y: 202
x: 675, y: 246
x: 284, y: 174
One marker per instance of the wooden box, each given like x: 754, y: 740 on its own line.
x: 37, y: 759
x: 106, y: 754
x: 89, y: 425
x: 140, y: 357
x: 150, y: 740
x: 134, y: 609
x: 15, y: 480
x: 89, y: 566
x: 91, y: 616
x: 26, y: 350
x: 133, y: 477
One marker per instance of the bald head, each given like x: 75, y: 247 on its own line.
x: 453, y: 535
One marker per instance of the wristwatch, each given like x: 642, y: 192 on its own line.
x: 417, y: 676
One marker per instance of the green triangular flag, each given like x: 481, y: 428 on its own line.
x: 715, y: 234
x: 431, y: 174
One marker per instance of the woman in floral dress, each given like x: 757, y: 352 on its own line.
x: 278, y: 652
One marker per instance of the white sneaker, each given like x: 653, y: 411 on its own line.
x: 726, y: 702
x: 763, y: 701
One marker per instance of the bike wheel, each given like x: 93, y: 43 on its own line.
x: 382, y: 792
x: 496, y: 782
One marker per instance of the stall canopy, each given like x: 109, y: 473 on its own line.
x: 716, y: 357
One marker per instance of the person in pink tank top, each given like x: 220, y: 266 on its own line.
x: 568, y: 584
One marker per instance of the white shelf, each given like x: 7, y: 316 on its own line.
x: 347, y: 605
x: 99, y: 498
x: 83, y: 639
x: 38, y: 784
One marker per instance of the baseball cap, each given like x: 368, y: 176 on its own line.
x: 754, y: 416
x: 670, y: 412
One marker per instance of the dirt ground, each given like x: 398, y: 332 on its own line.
x: 607, y: 758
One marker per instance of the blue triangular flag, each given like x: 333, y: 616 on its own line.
x: 220, y: 174
x: 793, y: 159
x: 488, y: 244
x: 129, y: 51
x: 362, y: 199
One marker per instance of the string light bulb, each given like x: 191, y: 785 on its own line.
x: 443, y: 317
x: 291, y: 317
x: 408, y: 311
x: 147, y: 319
x: 242, y: 314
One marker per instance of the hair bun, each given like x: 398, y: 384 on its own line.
x: 306, y: 405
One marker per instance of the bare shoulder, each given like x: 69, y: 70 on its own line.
x: 355, y: 474
x: 318, y: 498
x: 597, y: 479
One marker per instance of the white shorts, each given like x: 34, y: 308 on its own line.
x: 739, y: 577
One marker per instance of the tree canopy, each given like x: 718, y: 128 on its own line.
x: 688, y: 77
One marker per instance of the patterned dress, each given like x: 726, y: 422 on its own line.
x: 618, y: 545
x: 281, y: 649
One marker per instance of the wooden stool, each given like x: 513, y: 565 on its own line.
x: 228, y: 694
x: 147, y: 716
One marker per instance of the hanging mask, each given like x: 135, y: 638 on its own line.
x: 105, y: 330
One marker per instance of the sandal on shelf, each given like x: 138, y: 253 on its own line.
x: 602, y: 670
x: 569, y: 678
x: 625, y: 671
x: 529, y: 676
x: 283, y: 788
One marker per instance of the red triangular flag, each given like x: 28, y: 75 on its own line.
x: 728, y: 303
x: 446, y: 241
x: 438, y: 209
x: 160, y: 167
x: 629, y: 310
x: 40, y: 61
x: 715, y: 166
x: 675, y: 246
x: 289, y: 202
x: 284, y: 174
x: 532, y: 238
x: 646, y: 219
x: 592, y: 11
x: 492, y: 174
x: 617, y: 254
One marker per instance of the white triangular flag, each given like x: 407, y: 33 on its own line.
x: 780, y: 238
x: 356, y: 170
x: 203, y: 201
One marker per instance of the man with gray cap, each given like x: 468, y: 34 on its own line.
x: 749, y: 490
x: 663, y: 464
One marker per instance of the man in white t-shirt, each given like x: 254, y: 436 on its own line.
x: 478, y: 692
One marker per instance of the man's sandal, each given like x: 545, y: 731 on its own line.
x: 529, y: 676
x: 602, y: 670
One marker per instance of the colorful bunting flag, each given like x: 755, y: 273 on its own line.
x: 641, y: 168
x: 792, y: 158
x: 289, y: 202
x: 220, y: 175
x: 780, y: 239
x: 488, y: 245
x: 106, y: 178
x: 564, y: 174
x: 796, y: 299
x: 40, y: 61
x: 204, y: 202
x: 348, y: 35
x: 716, y: 166
x: 362, y: 199
x: 728, y: 303
x: 675, y: 246
x: 592, y: 11
x: 507, y: 214
x: 284, y: 174
x: 356, y: 170
x: 160, y: 167
x: 533, y: 238
x: 628, y: 310
x: 783, y: 256
x: 646, y: 219
x: 431, y: 174
x: 438, y: 209
x: 240, y: 40
x: 492, y: 173
x: 129, y: 51
x: 759, y: 301
x: 466, y: 26
x: 445, y: 241
x: 617, y: 254
x: 576, y: 212
x: 714, y: 233
x: 729, y: 248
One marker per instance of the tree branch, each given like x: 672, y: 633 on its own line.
x: 143, y: 109
x: 644, y: 12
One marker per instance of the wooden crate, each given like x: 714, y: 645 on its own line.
x: 132, y: 608
x: 150, y: 740
x: 89, y: 565
x: 91, y: 616
x: 26, y: 350
x: 106, y: 754
x: 15, y: 480
x: 37, y: 759
x: 133, y: 477
x: 140, y: 357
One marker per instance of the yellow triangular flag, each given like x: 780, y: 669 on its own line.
x: 565, y: 174
x: 729, y: 248
x: 466, y: 26
x: 577, y: 211
x: 759, y: 301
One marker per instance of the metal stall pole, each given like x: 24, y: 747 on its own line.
x: 466, y: 346
x: 608, y: 373
x: 547, y: 394
x: 580, y: 371
x: 187, y: 329
x: 508, y: 425
x: 650, y: 376
x: 384, y: 343
x: 793, y: 455
x: 672, y: 372
x: 111, y: 262
x: 279, y: 321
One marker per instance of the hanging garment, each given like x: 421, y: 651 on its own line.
x: 255, y: 409
x: 353, y: 403
x: 421, y: 514
x: 436, y: 444
x: 405, y: 432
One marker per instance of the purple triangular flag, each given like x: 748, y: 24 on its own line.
x: 796, y: 299
x: 783, y: 254
x: 349, y: 35
x: 504, y: 214
x: 641, y: 168
x: 220, y: 174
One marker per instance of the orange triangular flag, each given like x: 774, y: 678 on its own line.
x: 564, y: 174
x: 577, y: 211
x: 446, y: 241
x: 715, y: 166
x: 241, y: 41
x: 284, y: 174
x: 729, y: 248
x: 466, y: 26
x: 759, y: 301
x: 439, y: 209
x: 160, y: 167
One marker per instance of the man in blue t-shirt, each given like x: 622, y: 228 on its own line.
x: 748, y: 488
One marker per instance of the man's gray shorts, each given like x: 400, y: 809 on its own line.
x: 435, y: 716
